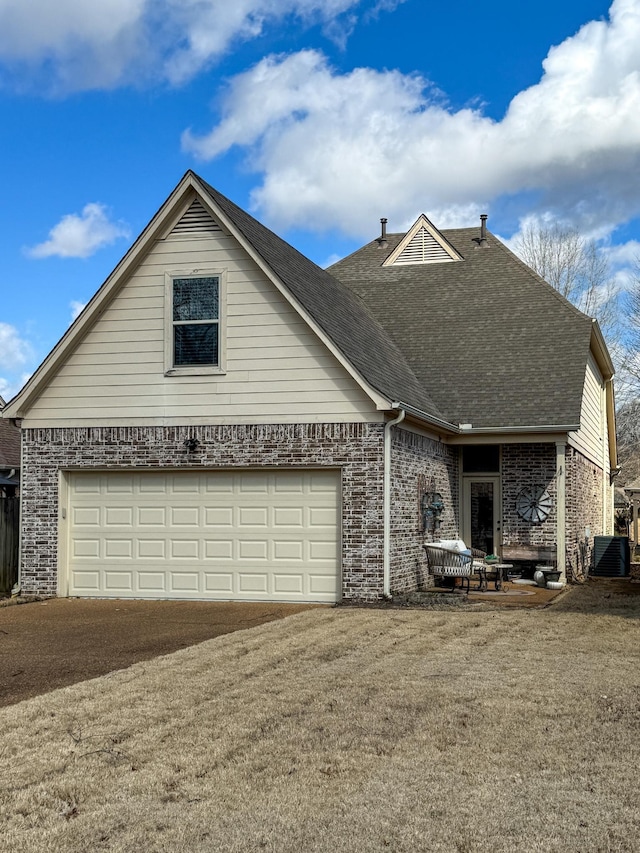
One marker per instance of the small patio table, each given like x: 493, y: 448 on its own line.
x: 500, y: 569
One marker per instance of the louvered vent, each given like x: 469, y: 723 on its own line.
x: 423, y: 249
x: 196, y: 222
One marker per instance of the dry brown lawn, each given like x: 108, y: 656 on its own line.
x: 346, y: 730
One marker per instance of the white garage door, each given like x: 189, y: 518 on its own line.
x: 247, y: 535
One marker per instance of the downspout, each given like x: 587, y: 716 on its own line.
x: 386, y: 505
x: 561, y: 509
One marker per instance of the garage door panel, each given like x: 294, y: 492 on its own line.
x: 290, y: 482
x: 249, y: 535
x: 151, y: 549
x: 219, y: 582
x: 86, y: 548
x: 288, y: 516
x: 184, y: 516
x: 122, y: 548
x: 253, y: 516
x: 288, y: 550
x: 218, y: 549
x: 219, y: 483
x: 118, y: 581
x: 252, y: 483
x: 88, y: 516
x: 320, y: 585
x: 118, y: 516
x: 188, y: 484
x: 218, y: 516
x: 153, y: 486
x: 87, y: 582
x: 149, y: 582
x: 119, y: 485
x: 152, y: 516
x: 185, y: 581
x: 253, y: 583
x: 288, y: 584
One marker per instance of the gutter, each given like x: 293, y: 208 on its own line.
x: 468, y: 429
x: 386, y: 501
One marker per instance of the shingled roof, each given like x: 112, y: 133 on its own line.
x: 339, y: 311
x: 493, y: 343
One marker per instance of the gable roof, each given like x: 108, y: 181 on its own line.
x: 339, y: 311
x: 338, y: 314
x: 495, y: 344
x: 422, y: 244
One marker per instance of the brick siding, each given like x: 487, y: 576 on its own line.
x: 584, y: 510
x: 356, y: 449
x: 418, y: 465
x: 528, y: 465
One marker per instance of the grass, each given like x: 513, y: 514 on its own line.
x: 351, y: 730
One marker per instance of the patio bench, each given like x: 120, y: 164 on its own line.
x: 452, y: 559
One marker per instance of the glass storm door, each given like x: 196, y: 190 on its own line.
x: 481, y: 513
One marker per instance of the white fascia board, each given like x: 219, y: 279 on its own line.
x: 601, y: 351
x: 381, y: 402
x: 17, y: 407
x: 528, y: 436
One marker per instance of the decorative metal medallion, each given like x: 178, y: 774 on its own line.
x: 533, y: 503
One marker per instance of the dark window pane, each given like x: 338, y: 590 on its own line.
x: 481, y: 458
x: 196, y: 344
x: 482, y: 512
x: 195, y: 298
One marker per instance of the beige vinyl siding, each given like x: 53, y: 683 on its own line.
x: 592, y: 438
x: 277, y: 369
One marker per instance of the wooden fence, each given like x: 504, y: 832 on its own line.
x: 9, y: 537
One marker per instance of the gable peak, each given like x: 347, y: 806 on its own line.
x: 422, y: 244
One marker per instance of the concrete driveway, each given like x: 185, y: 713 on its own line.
x: 49, y: 644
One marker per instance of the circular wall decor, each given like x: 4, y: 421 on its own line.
x: 533, y: 503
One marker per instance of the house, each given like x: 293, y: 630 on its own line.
x: 226, y: 420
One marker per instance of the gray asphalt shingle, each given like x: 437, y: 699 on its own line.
x: 492, y: 342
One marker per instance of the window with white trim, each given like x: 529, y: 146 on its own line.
x: 194, y: 333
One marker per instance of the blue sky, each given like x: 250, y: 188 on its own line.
x: 319, y: 116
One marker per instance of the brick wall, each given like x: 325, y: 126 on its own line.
x: 584, y: 510
x: 527, y: 465
x: 419, y: 464
x: 357, y: 449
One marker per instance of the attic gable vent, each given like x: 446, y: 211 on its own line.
x: 196, y: 222
x: 422, y: 244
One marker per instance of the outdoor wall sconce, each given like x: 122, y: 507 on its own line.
x: 191, y: 444
x: 431, y: 508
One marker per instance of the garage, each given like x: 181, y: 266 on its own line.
x: 250, y: 535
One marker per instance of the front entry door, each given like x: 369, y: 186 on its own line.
x: 481, y: 513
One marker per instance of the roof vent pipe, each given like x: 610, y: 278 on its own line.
x: 483, y: 231
x: 382, y: 239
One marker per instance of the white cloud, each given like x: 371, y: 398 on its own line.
x: 10, y: 387
x: 624, y: 254
x: 15, y: 351
x: 343, y: 149
x: 76, y: 309
x: 81, y: 45
x: 79, y: 236
x: 16, y: 354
